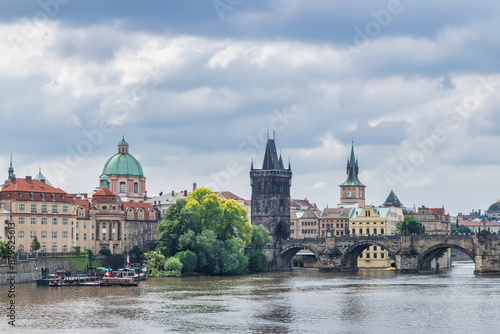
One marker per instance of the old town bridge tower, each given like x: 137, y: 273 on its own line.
x: 271, y: 193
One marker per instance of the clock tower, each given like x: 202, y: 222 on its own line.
x: 352, y: 191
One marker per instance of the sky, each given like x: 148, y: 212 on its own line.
x: 194, y: 86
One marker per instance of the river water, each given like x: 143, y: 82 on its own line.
x: 301, y: 301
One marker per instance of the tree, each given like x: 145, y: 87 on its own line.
x: 460, y: 229
x: 257, y: 259
x: 173, y: 266
x: 90, y: 254
x: 411, y: 223
x: 189, y: 260
x: 35, y: 244
x: 154, y: 261
x: 136, y: 251
x: 105, y: 251
x: 226, y: 218
x: 6, y: 249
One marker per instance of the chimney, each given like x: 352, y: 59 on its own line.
x: 28, y: 178
x: 172, y: 193
x: 185, y: 193
x: 194, y: 186
x: 43, y: 180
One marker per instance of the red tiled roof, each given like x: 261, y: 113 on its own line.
x: 137, y: 205
x: 302, y: 203
x: 30, y: 185
x: 230, y: 195
x: 104, y: 195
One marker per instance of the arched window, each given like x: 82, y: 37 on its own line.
x: 354, y: 231
x: 382, y: 231
x: 64, y: 248
x: 123, y: 187
x: 44, y: 249
x: 136, y: 187
x: 54, y: 249
x: 21, y: 249
x: 374, y: 231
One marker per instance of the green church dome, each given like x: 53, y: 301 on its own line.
x: 122, y: 163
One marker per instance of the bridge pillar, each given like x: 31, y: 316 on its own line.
x: 487, y: 264
x: 407, y: 262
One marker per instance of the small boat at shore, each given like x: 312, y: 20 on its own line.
x: 121, y: 281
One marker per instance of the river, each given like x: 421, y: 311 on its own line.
x: 300, y: 301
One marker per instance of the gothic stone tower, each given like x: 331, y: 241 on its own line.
x: 271, y: 194
x: 352, y: 191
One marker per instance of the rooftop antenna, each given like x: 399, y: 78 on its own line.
x: 267, y: 133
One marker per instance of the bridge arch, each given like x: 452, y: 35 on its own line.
x: 428, y: 255
x: 351, y: 254
x: 289, y: 251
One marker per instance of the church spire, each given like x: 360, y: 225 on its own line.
x: 352, y: 169
x: 11, y: 169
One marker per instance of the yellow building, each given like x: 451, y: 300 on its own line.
x: 335, y: 221
x: 370, y: 221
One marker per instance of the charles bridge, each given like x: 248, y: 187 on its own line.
x: 412, y: 253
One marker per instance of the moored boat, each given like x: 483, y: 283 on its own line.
x: 123, y: 281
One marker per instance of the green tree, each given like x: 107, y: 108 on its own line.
x: 35, y: 244
x: 226, y: 218
x: 78, y: 251
x: 411, y: 223
x: 6, y: 249
x: 105, y: 251
x: 460, y: 229
x: 136, y: 251
x: 189, y: 260
x: 234, y: 261
x: 209, y: 252
x: 154, y: 261
x: 257, y: 259
x: 173, y: 266
x: 89, y: 254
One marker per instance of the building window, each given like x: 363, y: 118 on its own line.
x: 21, y: 249
x: 152, y: 216
x: 54, y: 221
x: 64, y: 248
x: 33, y: 220
x: 93, y: 237
x: 374, y: 255
x: 32, y: 234
x: 84, y: 224
x: 353, y: 231
x: 130, y: 214
x: 85, y: 236
x: 374, y: 248
x: 54, y: 234
x: 33, y: 207
x: 81, y: 213
x: 361, y: 255
x: 65, y: 235
x: 44, y: 220
x: 21, y: 207
x: 65, y: 222
x: 76, y: 236
x: 43, y: 235
x: 367, y: 255
x: 21, y: 234
x: 123, y: 187
x: 54, y: 208
x: 44, y: 249
x: 93, y: 225
x: 382, y: 231
x: 141, y: 214
x: 374, y: 231
x: 77, y: 225
x: 382, y: 255
x: 65, y: 208
x: 44, y: 208
x: 136, y: 187
x: 54, y: 249
x: 104, y: 236
x: 367, y: 231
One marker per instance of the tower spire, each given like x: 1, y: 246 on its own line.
x: 11, y: 169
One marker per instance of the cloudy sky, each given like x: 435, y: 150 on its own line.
x: 195, y: 84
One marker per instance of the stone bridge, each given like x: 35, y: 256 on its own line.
x: 411, y: 253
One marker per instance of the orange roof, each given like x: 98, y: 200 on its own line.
x: 30, y: 185
x: 230, y: 195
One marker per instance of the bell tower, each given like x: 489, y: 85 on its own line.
x: 352, y: 191
x: 271, y: 193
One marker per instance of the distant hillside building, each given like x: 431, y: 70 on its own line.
x: 271, y: 193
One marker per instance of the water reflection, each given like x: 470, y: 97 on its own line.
x: 370, y: 301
